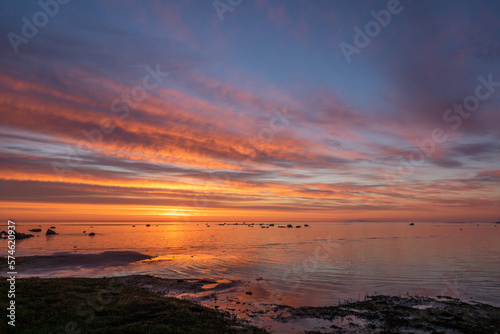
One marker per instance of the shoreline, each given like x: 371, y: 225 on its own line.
x: 236, y: 311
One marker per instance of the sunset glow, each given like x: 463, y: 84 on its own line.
x: 168, y: 113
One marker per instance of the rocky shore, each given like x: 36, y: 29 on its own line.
x: 150, y: 304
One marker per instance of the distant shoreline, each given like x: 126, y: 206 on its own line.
x: 121, y: 222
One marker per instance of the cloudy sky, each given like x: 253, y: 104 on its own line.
x: 250, y: 110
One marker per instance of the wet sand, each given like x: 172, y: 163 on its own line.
x: 33, y: 265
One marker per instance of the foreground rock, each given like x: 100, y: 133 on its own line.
x: 386, y: 314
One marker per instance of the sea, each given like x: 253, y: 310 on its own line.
x: 320, y: 264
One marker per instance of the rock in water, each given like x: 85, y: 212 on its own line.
x: 20, y: 236
x: 36, y: 230
x: 91, y: 234
x: 50, y: 232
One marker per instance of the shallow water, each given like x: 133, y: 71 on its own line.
x: 316, y: 265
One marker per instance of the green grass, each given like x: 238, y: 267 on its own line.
x: 105, y: 305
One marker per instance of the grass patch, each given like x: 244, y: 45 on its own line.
x: 108, y: 305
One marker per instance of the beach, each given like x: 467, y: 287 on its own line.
x: 318, y: 278
x: 140, y: 304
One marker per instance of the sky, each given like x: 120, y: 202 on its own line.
x: 239, y: 110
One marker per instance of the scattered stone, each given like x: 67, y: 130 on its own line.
x: 50, y: 232
x: 91, y: 234
x: 36, y: 230
x: 20, y: 236
x: 249, y: 293
x: 306, y: 225
x: 411, y: 224
x: 147, y: 225
x: 52, y: 227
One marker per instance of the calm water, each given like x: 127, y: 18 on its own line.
x: 314, y: 265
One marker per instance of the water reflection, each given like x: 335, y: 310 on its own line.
x: 314, y: 265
